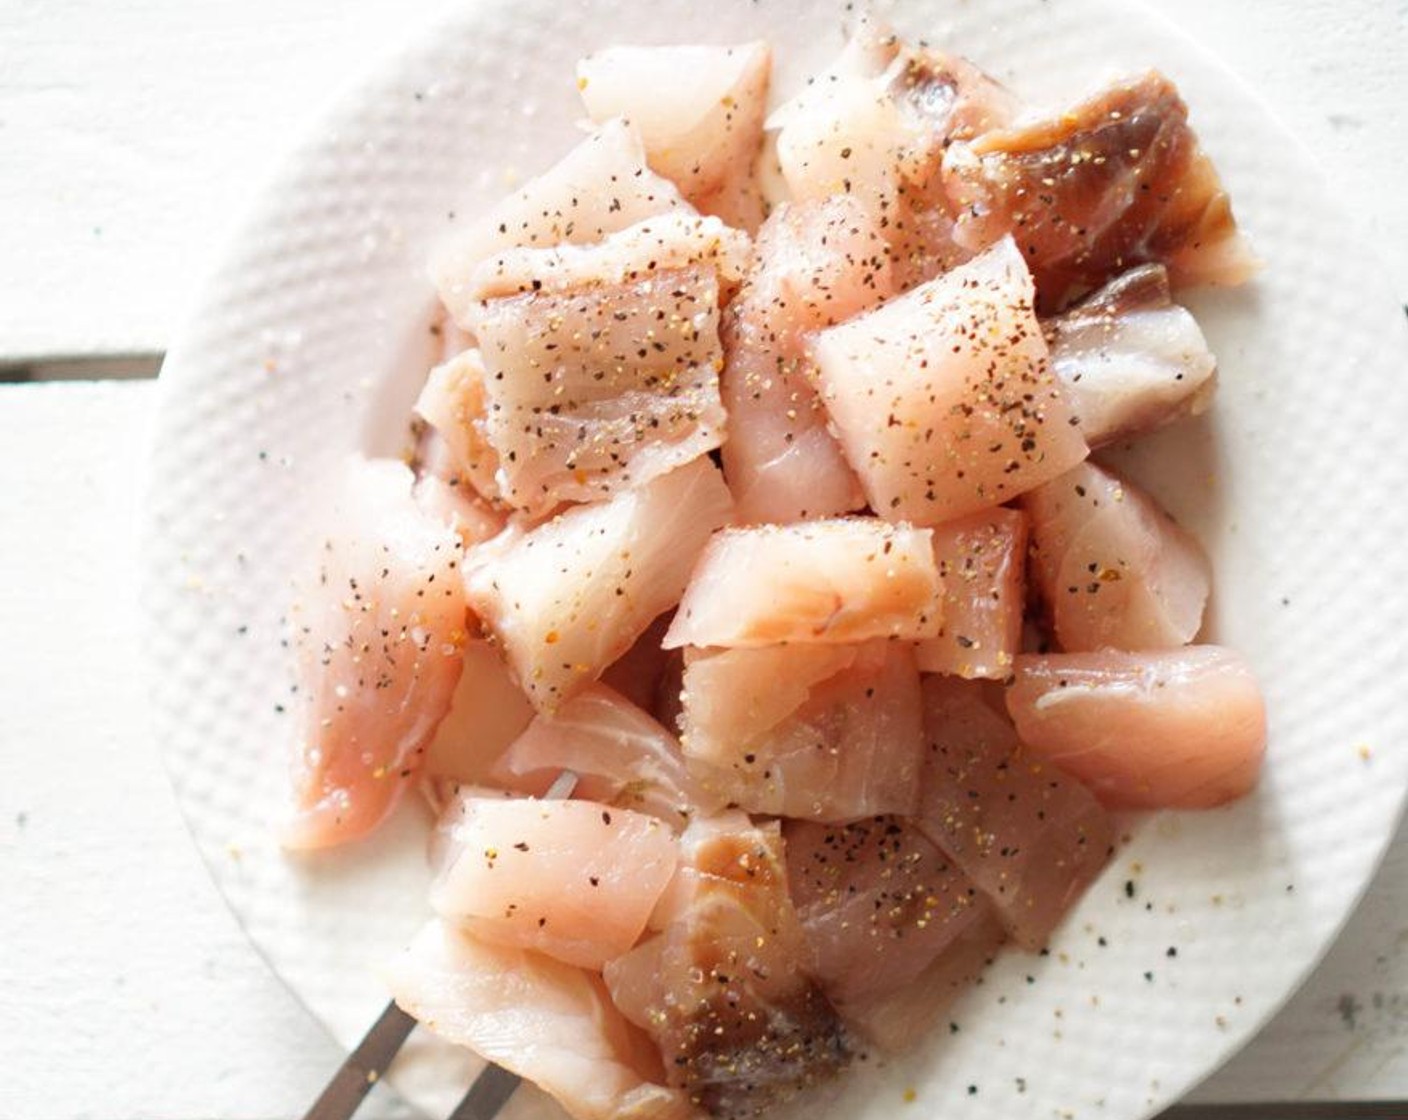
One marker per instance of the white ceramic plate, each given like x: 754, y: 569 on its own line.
x: 312, y: 339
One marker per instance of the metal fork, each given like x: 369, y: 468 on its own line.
x: 366, y: 1064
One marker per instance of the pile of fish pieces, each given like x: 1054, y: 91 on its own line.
x: 754, y: 438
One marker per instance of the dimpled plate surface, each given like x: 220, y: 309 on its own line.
x: 310, y: 342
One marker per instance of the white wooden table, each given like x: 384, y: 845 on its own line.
x: 129, y: 136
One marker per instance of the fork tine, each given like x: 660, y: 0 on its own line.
x: 562, y: 786
x: 489, y: 1093
x: 363, y: 1067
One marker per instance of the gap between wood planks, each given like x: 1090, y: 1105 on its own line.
x: 1298, y: 1110
x: 115, y: 367
x: 107, y: 367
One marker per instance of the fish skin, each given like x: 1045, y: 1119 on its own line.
x: 739, y: 1028
x: 1117, y: 180
x: 1130, y: 358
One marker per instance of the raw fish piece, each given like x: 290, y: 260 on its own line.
x: 1031, y: 838
x: 453, y: 803
x: 880, y: 905
x: 1178, y: 729
x: 982, y: 563
x: 620, y: 755
x: 431, y: 456
x: 634, y: 980
x: 943, y: 399
x: 738, y: 1026
x: 679, y: 239
x: 1114, y: 569
x: 604, y: 372
x: 601, y: 186
x: 456, y: 506
x: 487, y: 713
x: 875, y: 127
x: 1130, y: 358
x: 896, y: 1021
x: 739, y: 203
x: 452, y: 339
x: 1115, y: 181
x: 453, y: 404
x: 546, y: 1021
x: 576, y: 880
x: 820, y: 732
x: 816, y: 263
x: 379, y: 636
x: 843, y: 580
x: 699, y: 109
x: 567, y: 598
x: 736, y: 695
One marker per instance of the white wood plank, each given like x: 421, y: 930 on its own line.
x: 131, y: 133
x: 130, y: 992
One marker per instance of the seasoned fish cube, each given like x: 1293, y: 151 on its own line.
x: 944, y: 399
x: 568, y: 597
